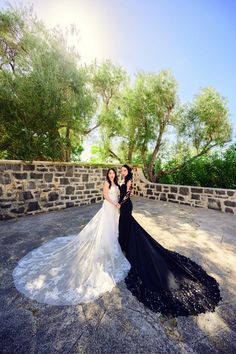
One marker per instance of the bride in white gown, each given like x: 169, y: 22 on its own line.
x: 74, y: 269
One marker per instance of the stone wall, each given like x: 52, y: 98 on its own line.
x: 47, y: 186
x: 212, y: 198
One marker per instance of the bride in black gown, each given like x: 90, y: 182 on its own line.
x: 163, y: 280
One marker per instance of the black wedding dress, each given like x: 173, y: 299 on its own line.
x: 163, y: 280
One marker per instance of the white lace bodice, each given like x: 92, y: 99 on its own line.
x: 113, y: 193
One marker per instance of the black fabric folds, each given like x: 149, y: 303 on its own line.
x: 163, y: 280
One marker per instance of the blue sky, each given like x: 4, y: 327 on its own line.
x: 195, y: 39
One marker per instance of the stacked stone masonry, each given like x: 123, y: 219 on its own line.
x: 47, y: 186
x: 203, y: 197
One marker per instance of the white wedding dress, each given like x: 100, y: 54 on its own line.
x: 76, y: 269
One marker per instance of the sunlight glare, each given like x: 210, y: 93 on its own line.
x: 95, y: 33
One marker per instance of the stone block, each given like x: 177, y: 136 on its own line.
x: 33, y: 206
x: 28, y: 167
x: 221, y: 192
x: 61, y: 168
x: 180, y: 197
x: 20, y: 175
x: 184, y: 190
x: 3, y: 167
x: 89, y: 185
x: 229, y: 210
x: 69, y: 174
x: 13, y: 167
x: 53, y: 196
x: 230, y: 203
x: 64, y: 181
x: 163, y: 197
x: 5, y: 206
x: 19, y: 210
x: 31, y: 185
x: 70, y: 190
x: 34, y: 175
x: 195, y: 196
x: 25, y: 195
x: 208, y: 191
x: 214, y: 204
x: 5, y: 179
x: 48, y: 177
x: 196, y: 190
x: 85, y: 177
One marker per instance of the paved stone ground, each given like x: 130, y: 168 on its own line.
x: 117, y: 322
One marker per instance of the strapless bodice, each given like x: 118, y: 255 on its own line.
x: 113, y: 193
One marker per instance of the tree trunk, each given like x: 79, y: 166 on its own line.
x: 112, y: 154
x: 204, y: 150
x: 163, y: 123
x: 130, y: 152
x: 150, y: 171
x: 68, y: 145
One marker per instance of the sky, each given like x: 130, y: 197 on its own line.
x: 195, y: 39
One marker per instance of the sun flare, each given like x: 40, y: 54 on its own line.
x: 95, y: 34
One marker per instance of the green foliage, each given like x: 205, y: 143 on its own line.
x: 214, y: 170
x: 151, y: 112
x: 12, y: 39
x: 108, y: 81
x: 146, y: 109
x: 206, y: 121
x: 46, y: 104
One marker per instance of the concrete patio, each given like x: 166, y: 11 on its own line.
x: 117, y: 322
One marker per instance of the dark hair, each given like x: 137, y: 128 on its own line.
x: 115, y: 178
x: 129, y: 175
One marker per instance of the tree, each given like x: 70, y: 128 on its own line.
x: 151, y: 110
x: 46, y: 101
x: 148, y: 111
x: 13, y: 39
x: 202, y: 127
x: 108, y: 82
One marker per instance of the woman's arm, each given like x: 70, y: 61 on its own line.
x: 128, y: 192
x: 105, y: 193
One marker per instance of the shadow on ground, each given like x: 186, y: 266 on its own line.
x: 117, y: 322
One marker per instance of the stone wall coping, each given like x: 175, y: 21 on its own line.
x: 37, y: 162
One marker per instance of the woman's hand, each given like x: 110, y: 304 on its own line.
x: 118, y: 205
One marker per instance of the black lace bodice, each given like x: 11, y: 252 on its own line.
x: 124, y: 194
